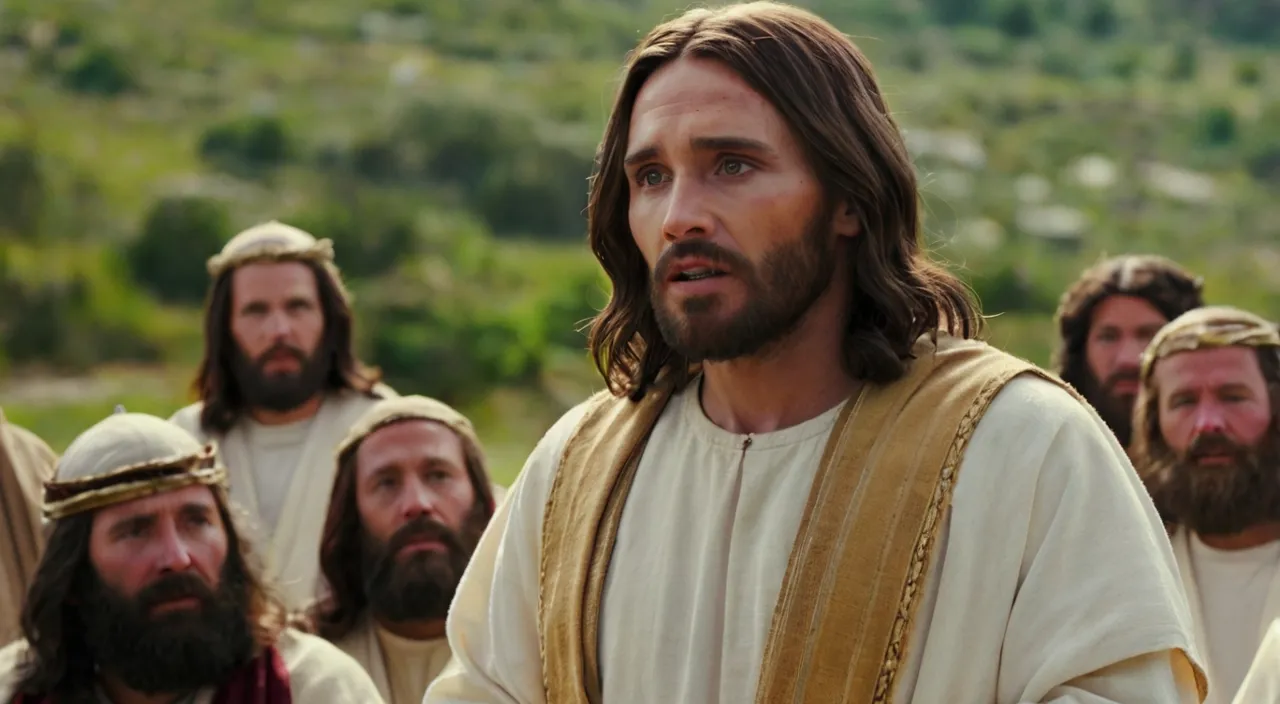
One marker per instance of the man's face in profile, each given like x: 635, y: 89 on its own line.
x: 727, y: 212
x: 277, y: 323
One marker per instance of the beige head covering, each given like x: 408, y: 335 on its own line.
x: 400, y: 408
x: 270, y: 241
x: 1209, y: 328
x: 128, y: 456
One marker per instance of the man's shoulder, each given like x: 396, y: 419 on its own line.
x: 317, y: 666
x: 27, y: 445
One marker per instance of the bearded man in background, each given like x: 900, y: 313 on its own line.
x: 1207, y: 445
x: 279, y: 386
x: 147, y: 591
x: 1105, y: 321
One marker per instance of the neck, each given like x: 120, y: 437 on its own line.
x: 1250, y: 537
x: 414, y: 630
x: 119, y: 693
x: 293, y: 415
x: 796, y: 379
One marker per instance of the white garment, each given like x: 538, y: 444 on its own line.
x: 1222, y: 654
x: 401, y: 668
x: 275, y: 451
x: 1262, y: 684
x: 1233, y: 587
x: 1052, y: 581
x: 319, y: 673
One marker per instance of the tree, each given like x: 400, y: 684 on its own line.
x: 178, y: 236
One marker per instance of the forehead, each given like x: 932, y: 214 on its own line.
x: 696, y: 97
x: 167, y: 502
x: 1126, y: 311
x: 1209, y: 368
x: 260, y: 280
x: 408, y: 441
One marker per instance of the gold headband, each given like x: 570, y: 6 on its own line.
x: 274, y: 249
x: 62, y: 499
x: 1209, y: 329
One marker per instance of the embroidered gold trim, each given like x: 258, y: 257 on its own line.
x: 121, y: 493
x: 133, y: 481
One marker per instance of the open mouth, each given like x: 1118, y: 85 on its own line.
x: 697, y: 274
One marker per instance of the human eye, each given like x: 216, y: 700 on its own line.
x: 649, y: 177
x: 731, y: 166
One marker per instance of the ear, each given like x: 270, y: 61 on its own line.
x: 845, y: 221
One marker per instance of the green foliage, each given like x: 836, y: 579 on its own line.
x: 1101, y: 20
x: 1019, y: 19
x: 1218, y: 126
x: 179, y: 234
x: 249, y: 146
x: 22, y: 190
x: 100, y: 70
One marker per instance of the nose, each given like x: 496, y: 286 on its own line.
x: 1209, y: 418
x: 278, y: 325
x: 418, y: 501
x: 172, y: 553
x: 1130, y: 354
x: 688, y: 214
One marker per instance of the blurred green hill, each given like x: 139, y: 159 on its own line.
x: 444, y: 145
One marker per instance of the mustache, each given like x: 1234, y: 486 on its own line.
x: 280, y: 349
x: 1207, y: 444
x: 421, y: 528
x: 1120, y: 375
x: 173, y: 587
x: 704, y: 249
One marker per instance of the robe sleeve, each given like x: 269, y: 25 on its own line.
x: 493, y: 621
x: 1262, y: 684
x: 1098, y: 613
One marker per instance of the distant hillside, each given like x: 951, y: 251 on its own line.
x: 444, y: 146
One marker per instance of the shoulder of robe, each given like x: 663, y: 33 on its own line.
x: 25, y: 444
x: 320, y: 671
x: 550, y: 448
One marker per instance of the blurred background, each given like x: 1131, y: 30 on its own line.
x: 444, y: 146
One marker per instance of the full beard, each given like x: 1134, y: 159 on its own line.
x: 419, y: 587
x: 780, y: 290
x: 1115, y: 409
x: 1218, y: 500
x: 280, y: 392
x: 175, y: 651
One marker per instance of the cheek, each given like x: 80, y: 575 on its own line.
x: 1254, y: 424
x: 1176, y: 430
x: 1095, y: 360
x: 646, y: 234
x: 245, y: 333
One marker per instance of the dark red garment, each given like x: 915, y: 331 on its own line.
x: 263, y: 680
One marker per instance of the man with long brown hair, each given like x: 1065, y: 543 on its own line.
x: 279, y: 385
x: 147, y: 591
x: 1207, y: 443
x: 410, y: 500
x: 1105, y: 321
x: 26, y: 463
x: 804, y: 483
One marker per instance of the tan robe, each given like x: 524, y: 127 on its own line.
x: 26, y: 463
x: 398, y: 667
x: 293, y: 549
x: 1271, y: 611
x: 1054, y: 580
x: 319, y: 673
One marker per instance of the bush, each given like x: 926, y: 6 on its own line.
x: 371, y: 233
x: 1100, y: 19
x: 1218, y: 126
x: 178, y: 236
x: 246, y: 146
x: 1019, y: 20
x: 100, y: 71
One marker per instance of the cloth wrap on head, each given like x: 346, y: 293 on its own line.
x: 125, y: 457
x: 271, y: 241
x: 401, y: 408
x: 1208, y: 328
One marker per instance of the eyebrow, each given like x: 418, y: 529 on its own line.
x: 741, y: 144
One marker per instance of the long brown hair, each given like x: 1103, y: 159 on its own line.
x: 826, y: 91
x: 59, y: 663
x: 1168, y: 287
x: 337, y: 613
x: 215, y: 383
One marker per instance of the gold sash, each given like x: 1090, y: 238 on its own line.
x: 865, y: 542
